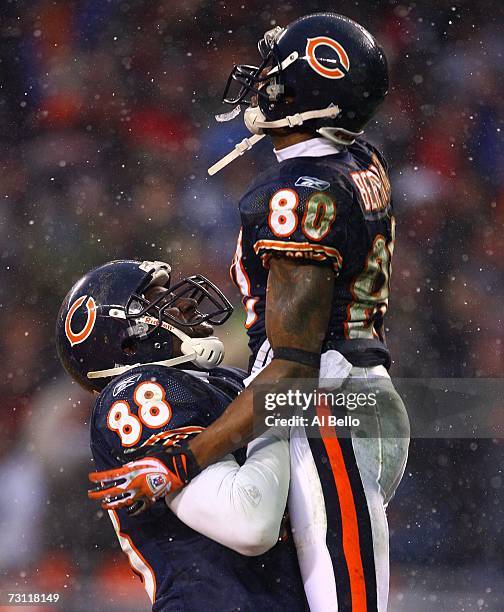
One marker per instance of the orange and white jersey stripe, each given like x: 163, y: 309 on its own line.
x: 137, y: 562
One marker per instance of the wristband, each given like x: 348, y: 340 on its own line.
x: 306, y: 358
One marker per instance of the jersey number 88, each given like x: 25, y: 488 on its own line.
x: 153, y: 412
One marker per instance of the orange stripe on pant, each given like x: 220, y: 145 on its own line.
x: 350, y: 527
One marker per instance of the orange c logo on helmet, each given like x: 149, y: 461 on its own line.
x: 329, y: 73
x: 78, y: 337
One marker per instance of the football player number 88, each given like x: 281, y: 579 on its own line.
x: 153, y: 412
x: 320, y: 212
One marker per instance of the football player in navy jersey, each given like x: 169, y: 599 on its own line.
x: 313, y: 264
x: 145, y: 347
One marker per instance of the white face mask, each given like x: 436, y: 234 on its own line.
x: 206, y: 353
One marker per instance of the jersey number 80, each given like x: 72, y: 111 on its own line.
x: 319, y: 215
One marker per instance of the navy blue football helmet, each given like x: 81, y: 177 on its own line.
x: 106, y: 324
x: 316, y: 63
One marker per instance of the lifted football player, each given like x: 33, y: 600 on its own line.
x: 124, y: 331
x: 313, y: 263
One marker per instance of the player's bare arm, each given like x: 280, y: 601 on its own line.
x: 298, y: 305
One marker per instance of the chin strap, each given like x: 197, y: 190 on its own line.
x: 206, y: 353
x: 120, y: 370
x: 256, y: 121
x: 239, y: 149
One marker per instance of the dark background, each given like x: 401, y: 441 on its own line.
x: 106, y: 132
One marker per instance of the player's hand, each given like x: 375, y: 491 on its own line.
x: 140, y: 483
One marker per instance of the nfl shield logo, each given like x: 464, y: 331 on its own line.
x: 156, y: 482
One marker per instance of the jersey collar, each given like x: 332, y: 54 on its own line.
x: 197, y: 374
x: 315, y: 147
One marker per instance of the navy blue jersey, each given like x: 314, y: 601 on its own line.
x: 183, y: 570
x: 333, y: 210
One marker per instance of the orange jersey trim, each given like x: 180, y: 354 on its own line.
x: 136, y: 570
x: 276, y: 245
x: 241, y: 279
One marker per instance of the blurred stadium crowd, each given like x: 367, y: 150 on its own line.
x: 106, y: 132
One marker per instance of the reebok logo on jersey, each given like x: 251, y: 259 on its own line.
x: 125, y: 383
x: 312, y: 183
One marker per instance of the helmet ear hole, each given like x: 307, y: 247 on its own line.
x: 128, y: 346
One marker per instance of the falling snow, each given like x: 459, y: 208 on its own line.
x: 106, y: 131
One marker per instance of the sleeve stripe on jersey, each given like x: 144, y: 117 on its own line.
x: 172, y: 436
x: 299, y: 246
x: 137, y: 562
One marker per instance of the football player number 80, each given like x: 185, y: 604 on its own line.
x: 320, y: 212
x: 153, y: 411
